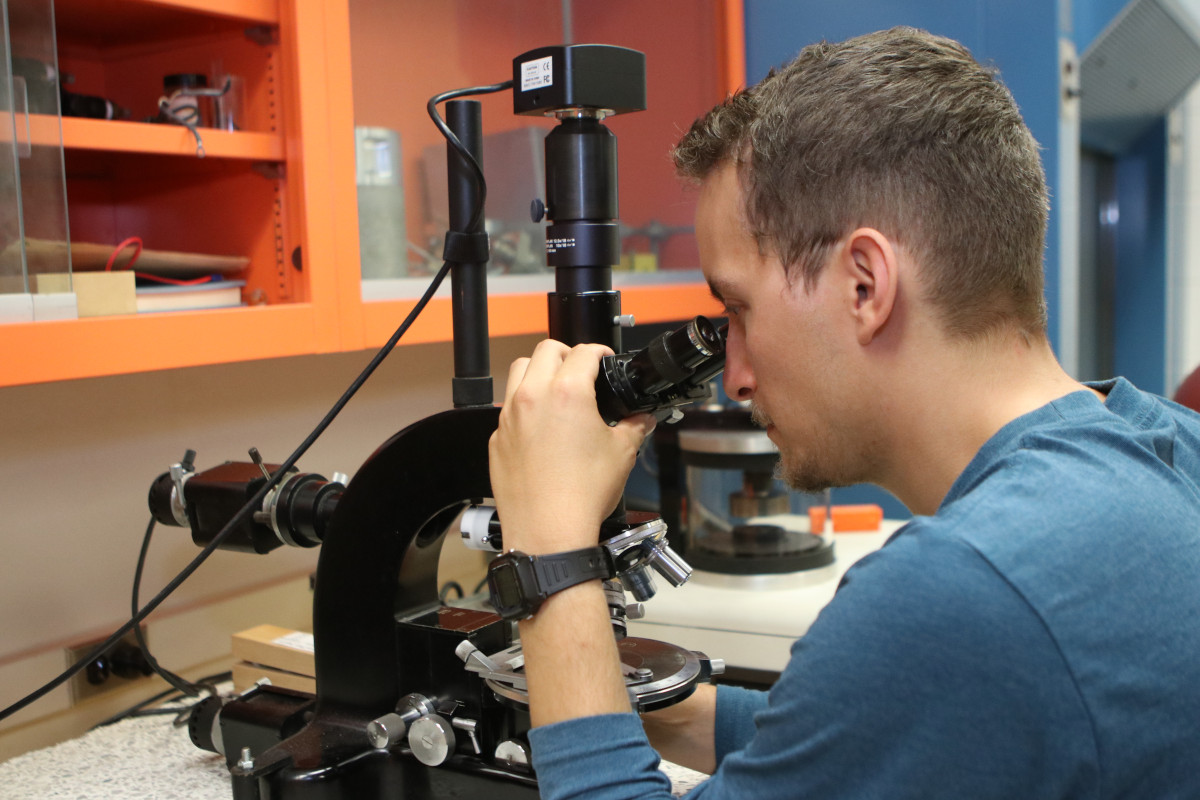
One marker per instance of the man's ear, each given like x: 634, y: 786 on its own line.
x: 871, y: 273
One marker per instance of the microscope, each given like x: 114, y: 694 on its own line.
x: 415, y: 698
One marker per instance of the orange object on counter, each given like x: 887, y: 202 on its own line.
x: 865, y: 517
x: 816, y: 519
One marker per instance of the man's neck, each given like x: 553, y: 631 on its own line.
x: 953, y: 403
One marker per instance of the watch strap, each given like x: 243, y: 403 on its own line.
x: 557, y: 571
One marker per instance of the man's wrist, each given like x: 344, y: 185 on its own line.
x: 541, y: 537
x: 519, y: 583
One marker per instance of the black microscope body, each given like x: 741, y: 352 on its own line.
x: 414, y: 698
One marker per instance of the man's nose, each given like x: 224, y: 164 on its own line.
x: 738, y: 377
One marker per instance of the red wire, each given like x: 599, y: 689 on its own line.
x: 137, y: 242
x: 175, y: 281
x: 134, y: 240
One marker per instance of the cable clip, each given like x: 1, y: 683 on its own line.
x: 466, y: 248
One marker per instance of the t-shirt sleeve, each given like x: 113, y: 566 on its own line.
x: 605, y: 757
x: 736, y: 707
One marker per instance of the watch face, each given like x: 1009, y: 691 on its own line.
x: 506, y: 587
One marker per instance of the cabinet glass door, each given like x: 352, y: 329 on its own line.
x: 35, y: 261
x: 438, y: 47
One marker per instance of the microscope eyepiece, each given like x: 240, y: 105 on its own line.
x: 671, y: 371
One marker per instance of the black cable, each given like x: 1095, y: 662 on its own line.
x: 256, y: 501
x: 246, y: 510
x: 476, y: 171
x: 165, y: 696
x: 183, y: 685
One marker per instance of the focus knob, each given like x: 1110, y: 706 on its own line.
x: 432, y: 739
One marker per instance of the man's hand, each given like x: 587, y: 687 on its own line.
x: 557, y: 469
x: 685, y: 733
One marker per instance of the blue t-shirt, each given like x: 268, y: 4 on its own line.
x: 1039, y: 637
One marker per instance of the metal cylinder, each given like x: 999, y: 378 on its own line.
x: 639, y: 583
x: 581, y: 171
x: 666, y: 562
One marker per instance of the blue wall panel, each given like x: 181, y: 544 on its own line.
x: 1089, y: 18
x: 1018, y: 37
x: 1140, y: 302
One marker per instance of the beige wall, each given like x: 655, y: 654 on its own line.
x: 77, y: 459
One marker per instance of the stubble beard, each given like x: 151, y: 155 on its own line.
x: 812, y: 469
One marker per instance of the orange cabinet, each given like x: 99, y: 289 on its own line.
x: 280, y: 189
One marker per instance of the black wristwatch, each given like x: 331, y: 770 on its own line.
x: 520, y: 583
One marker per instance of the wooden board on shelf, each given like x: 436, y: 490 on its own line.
x: 44, y: 255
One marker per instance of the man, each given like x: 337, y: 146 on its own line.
x: 872, y: 216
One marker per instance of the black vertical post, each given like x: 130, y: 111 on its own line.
x: 583, y: 240
x: 472, y: 385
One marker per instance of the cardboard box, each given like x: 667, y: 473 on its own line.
x: 97, y: 294
x: 267, y: 651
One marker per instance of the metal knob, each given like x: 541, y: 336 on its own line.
x: 432, y: 739
x: 514, y: 754
x: 390, y: 728
x: 412, y: 706
x: 386, y: 731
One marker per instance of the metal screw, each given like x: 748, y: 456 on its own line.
x: 246, y: 762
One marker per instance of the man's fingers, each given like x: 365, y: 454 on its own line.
x: 553, y: 361
x: 546, y: 360
x: 516, y: 373
x: 637, y: 428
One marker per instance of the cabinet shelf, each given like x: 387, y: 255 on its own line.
x: 80, y: 134
x: 114, y: 345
